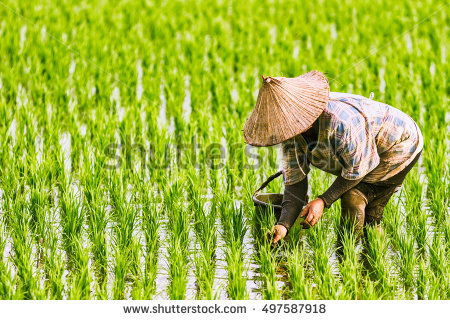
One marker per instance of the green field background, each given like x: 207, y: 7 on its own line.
x: 79, y: 78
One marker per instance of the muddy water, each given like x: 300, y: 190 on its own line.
x: 221, y: 272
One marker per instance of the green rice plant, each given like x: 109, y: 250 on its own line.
x: 178, y: 252
x: 434, y: 287
x: 206, y: 234
x: 266, y: 255
x: 319, y: 182
x: 349, y: 266
x: 225, y: 208
x: 93, y: 177
x: 439, y: 264
x: 193, y: 190
x: 72, y: 218
x: 321, y: 247
x: 6, y: 283
x: 97, y: 221
x: 376, y: 259
x: 101, y: 291
x: 413, y: 191
x: 177, y: 269
x: 445, y: 227
x: 406, y: 259
x: 28, y: 282
x: 11, y: 194
x: 438, y: 179
x: 268, y: 271
x: 238, y: 224
x: 369, y: 289
x: 205, y: 274
x: 121, y: 268
x: 54, y: 264
x: 248, y: 185
x: 422, y: 280
x: 80, y: 280
x: 172, y: 195
x: 297, y: 273
x: 392, y: 220
x: 434, y: 161
x: 136, y: 273
x: 52, y: 258
x: 438, y: 204
x: 237, y: 284
x: 420, y: 232
x: 63, y: 177
x: 262, y: 222
x: 213, y: 181
x: 123, y: 216
x: 234, y: 229
x: 38, y: 201
x: 151, y: 227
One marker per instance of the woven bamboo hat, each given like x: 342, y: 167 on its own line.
x: 285, y: 108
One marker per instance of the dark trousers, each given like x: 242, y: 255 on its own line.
x: 364, y: 204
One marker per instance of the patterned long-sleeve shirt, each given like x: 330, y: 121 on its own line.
x: 358, y: 138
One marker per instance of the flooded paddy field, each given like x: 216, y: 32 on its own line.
x: 123, y: 168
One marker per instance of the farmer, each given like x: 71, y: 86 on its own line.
x: 370, y: 147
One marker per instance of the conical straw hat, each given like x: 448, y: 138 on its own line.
x: 286, y: 107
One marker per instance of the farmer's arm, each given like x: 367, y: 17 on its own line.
x: 314, y: 209
x: 337, y: 189
x: 295, y: 170
x: 294, y: 198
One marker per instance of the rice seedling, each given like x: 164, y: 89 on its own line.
x: 80, y: 280
x: 93, y: 182
x: 54, y: 264
x: 124, y: 223
x: 71, y: 223
x: 439, y: 264
x: 237, y: 288
x: 269, y: 266
x: 206, y: 234
x: 178, y: 252
x: 413, y: 192
x: 376, y: 261
x: 234, y: 230
x: 435, y: 288
x: 438, y: 180
x: 136, y: 273
x: 151, y: 226
x: 297, y: 273
x: 406, y: 259
x: 321, y: 251
x: 349, y: 265
x: 28, y: 283
x: 97, y: 222
x: 370, y: 290
x: 266, y: 255
x: 422, y: 280
x: 38, y: 201
x: 6, y: 283
x: 421, y: 231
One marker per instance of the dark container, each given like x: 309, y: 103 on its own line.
x: 264, y: 201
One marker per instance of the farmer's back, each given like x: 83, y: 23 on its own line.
x: 358, y: 137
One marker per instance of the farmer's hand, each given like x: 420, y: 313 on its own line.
x: 313, y: 212
x: 279, y: 232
